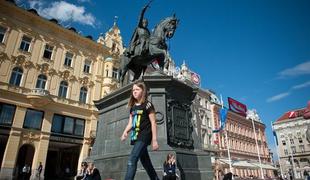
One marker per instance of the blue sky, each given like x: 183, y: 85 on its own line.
x: 255, y: 51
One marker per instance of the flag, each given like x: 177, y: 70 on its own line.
x: 275, y: 136
x: 237, y: 107
x: 222, y: 114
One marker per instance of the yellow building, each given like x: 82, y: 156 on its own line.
x: 49, y: 78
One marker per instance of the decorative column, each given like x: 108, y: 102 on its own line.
x: 42, y: 148
x: 12, y: 147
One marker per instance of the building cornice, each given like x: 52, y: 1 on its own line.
x: 11, y: 11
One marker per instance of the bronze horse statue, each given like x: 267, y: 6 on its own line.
x: 157, y: 50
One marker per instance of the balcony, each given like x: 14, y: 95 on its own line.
x: 39, y: 97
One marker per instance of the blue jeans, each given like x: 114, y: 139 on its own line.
x: 140, y: 151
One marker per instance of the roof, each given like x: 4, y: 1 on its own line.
x: 291, y: 114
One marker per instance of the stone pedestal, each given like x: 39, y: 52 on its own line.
x: 172, y: 101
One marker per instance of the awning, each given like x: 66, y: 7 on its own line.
x: 224, y: 161
x: 265, y: 166
x: 244, y: 164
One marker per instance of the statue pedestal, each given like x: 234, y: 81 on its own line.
x: 172, y: 101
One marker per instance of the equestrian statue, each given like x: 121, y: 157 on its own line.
x: 145, y: 47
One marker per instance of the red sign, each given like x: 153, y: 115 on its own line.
x: 295, y: 114
x: 195, y: 78
x: 237, y: 107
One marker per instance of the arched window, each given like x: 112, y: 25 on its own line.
x: 41, y: 82
x: 16, y: 76
x: 83, y: 94
x: 63, y: 89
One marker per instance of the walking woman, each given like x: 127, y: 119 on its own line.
x: 142, y: 125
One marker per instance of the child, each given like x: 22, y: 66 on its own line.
x: 142, y: 125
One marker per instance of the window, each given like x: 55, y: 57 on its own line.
x: 208, y: 121
x: 79, y: 127
x: 41, y: 81
x: 285, y: 152
x: 283, y: 142
x: 16, y: 76
x: 302, y: 148
x: 6, y: 114
x: 68, y: 125
x: 300, y: 140
x: 292, y: 141
x: 2, y: 34
x: 25, y: 44
x: 87, y: 66
x: 33, y: 119
x: 115, y: 73
x: 68, y: 59
x: 293, y: 149
x: 48, y: 51
x: 63, y: 89
x: 57, y: 124
x: 113, y: 47
x: 83, y: 94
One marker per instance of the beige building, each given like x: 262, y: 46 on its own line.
x: 242, y: 146
x: 49, y: 78
x: 293, y: 147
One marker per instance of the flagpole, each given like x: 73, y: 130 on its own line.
x: 277, y: 150
x: 228, y: 145
x: 260, y: 162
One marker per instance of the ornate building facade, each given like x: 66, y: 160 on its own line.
x: 293, y: 148
x: 49, y: 78
x: 242, y: 146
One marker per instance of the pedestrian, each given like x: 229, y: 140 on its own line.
x: 228, y: 176
x: 39, y: 170
x: 142, y: 125
x: 24, y: 172
x: 92, y: 172
x: 170, y: 168
x: 306, y: 174
x: 83, y: 172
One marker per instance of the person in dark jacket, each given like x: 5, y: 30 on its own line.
x: 92, y: 172
x: 169, y: 168
x: 228, y: 176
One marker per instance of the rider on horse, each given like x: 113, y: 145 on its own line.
x: 140, y: 38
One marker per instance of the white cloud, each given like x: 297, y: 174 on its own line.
x: 300, y: 69
x: 278, y: 97
x: 64, y: 11
x: 36, y: 4
x: 300, y: 86
x: 83, y: 1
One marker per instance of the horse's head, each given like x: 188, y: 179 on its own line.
x: 170, y: 26
x: 167, y: 27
